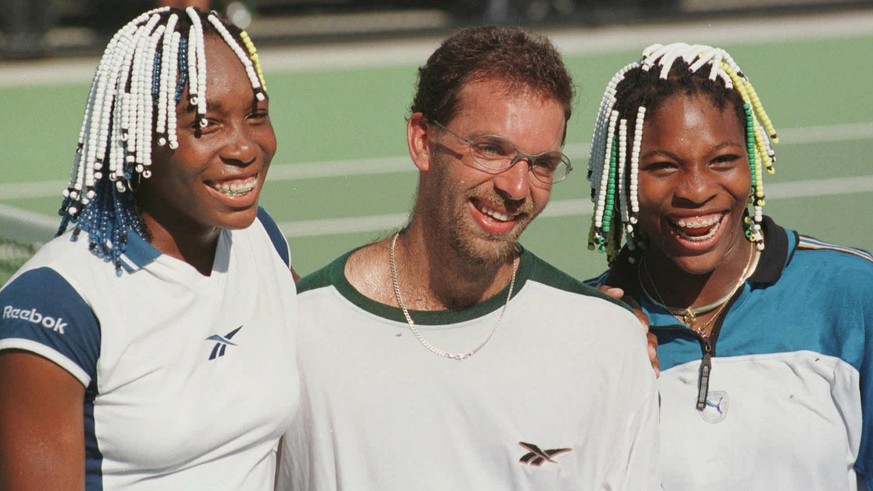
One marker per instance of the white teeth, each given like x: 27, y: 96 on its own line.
x: 699, y: 238
x: 698, y: 222
x: 713, y: 222
x: 235, y: 189
x: 493, y: 214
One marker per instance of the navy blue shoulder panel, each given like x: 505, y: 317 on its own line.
x: 275, y: 235
x: 41, y: 306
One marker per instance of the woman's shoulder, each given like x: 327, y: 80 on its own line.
x: 835, y: 253
x: 844, y: 271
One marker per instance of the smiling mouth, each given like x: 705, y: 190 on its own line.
x: 235, y: 189
x: 496, y: 215
x: 698, y: 229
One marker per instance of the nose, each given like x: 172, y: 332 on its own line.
x: 514, y: 183
x: 696, y: 187
x: 240, y: 148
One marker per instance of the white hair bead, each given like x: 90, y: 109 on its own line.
x: 622, y: 156
x: 168, y: 62
x: 172, y: 72
x: 200, y: 49
x: 722, y: 68
x: 131, y: 104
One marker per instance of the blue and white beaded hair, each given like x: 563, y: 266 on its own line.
x: 613, y: 163
x: 131, y: 108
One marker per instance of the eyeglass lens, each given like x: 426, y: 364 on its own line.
x: 497, y: 154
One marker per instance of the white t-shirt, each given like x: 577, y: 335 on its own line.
x: 562, y: 396
x: 190, y: 380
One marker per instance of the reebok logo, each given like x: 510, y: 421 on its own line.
x: 536, y: 456
x: 221, y: 343
x: 32, y: 316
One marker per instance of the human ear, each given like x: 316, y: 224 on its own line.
x: 418, y: 141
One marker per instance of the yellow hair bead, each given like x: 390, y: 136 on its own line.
x: 762, y: 151
x: 613, y: 204
x: 759, y: 117
x: 737, y: 81
x: 591, y: 245
x: 253, y: 54
x: 768, y: 125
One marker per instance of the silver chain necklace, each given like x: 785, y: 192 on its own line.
x: 418, y: 336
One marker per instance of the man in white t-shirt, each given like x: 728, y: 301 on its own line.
x: 447, y: 356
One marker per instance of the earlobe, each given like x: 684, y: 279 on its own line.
x: 418, y: 141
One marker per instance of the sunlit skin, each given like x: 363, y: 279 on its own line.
x: 477, y: 215
x: 213, y: 180
x: 455, y: 252
x: 468, y: 252
x: 41, y: 417
x: 694, y: 184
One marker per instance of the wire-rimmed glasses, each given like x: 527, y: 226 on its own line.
x: 494, y: 154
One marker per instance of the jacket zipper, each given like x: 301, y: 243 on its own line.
x: 707, y: 347
x: 705, y: 369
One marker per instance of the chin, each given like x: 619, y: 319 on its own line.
x: 487, y: 251
x: 698, y: 265
x: 237, y: 220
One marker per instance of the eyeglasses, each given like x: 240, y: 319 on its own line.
x: 494, y: 155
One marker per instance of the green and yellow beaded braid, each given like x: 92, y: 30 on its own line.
x: 628, y: 95
x: 760, y: 136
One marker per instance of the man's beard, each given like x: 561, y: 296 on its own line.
x: 484, y: 249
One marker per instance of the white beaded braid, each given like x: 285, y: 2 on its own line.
x: 198, y: 47
x: 243, y: 57
x: 635, y: 167
x: 167, y: 71
x: 622, y: 162
x: 173, y: 71
x: 131, y: 109
x: 600, y: 129
x: 616, y: 200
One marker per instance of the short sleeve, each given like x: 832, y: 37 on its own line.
x: 40, y: 312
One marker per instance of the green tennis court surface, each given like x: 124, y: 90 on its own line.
x: 342, y: 176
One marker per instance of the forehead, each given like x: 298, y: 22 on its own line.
x: 692, y: 114
x: 516, y: 113
x: 226, y: 76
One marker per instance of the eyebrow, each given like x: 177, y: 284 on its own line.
x: 720, y: 146
x: 218, y: 106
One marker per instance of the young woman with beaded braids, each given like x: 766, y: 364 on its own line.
x: 765, y: 335
x: 151, y: 345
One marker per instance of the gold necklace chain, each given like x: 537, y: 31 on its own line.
x: 418, y: 336
x: 688, y: 315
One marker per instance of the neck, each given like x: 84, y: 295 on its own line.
x: 666, y: 283
x: 435, y: 277
x: 196, y: 249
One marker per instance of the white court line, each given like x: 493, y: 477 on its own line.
x: 570, y: 41
x: 389, y: 165
x: 26, y: 225
x: 586, y: 40
x: 577, y: 152
x: 44, y: 226
x: 567, y: 207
